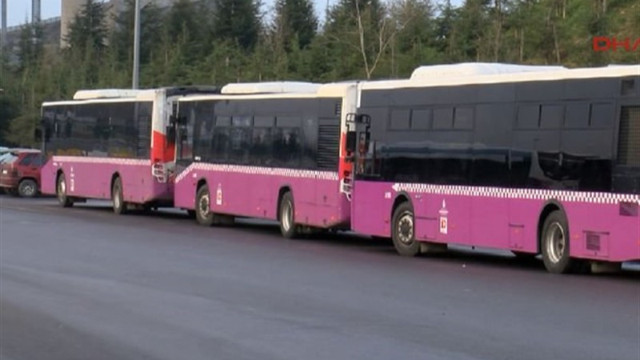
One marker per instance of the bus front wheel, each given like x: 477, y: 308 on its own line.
x: 403, y: 231
x: 555, y: 245
x: 203, y: 213
x: 119, y: 206
x: 61, y: 192
x: 288, y: 227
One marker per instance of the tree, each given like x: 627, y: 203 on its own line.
x: 121, y: 39
x: 88, y: 29
x: 87, y: 44
x: 29, y: 46
x: 468, y: 36
x: 415, y: 40
x: 237, y: 22
x: 360, y: 31
x: 295, y: 23
x: 8, y: 111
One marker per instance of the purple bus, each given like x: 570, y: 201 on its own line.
x: 112, y: 144
x: 532, y: 162
x: 275, y: 154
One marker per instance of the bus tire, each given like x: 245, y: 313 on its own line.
x: 403, y: 231
x: 117, y: 197
x: 286, y: 216
x: 203, y: 213
x: 61, y: 192
x: 555, y: 245
x: 27, y: 188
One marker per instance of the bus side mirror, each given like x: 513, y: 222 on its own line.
x: 352, y: 138
x: 171, y: 134
x: 37, y: 135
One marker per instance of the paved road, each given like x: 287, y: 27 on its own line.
x: 82, y: 283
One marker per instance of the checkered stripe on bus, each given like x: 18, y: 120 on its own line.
x: 530, y: 194
x: 99, y: 160
x: 257, y: 170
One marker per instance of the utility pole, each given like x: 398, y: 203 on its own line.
x: 35, y: 11
x: 3, y: 34
x: 136, y: 47
x: 35, y: 19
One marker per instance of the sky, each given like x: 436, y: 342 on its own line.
x: 20, y: 10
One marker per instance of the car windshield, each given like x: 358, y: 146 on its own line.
x: 8, y: 158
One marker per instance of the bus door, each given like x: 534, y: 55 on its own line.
x: 181, y: 129
x: 626, y: 170
x: 358, y: 139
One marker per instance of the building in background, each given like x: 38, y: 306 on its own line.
x: 68, y: 11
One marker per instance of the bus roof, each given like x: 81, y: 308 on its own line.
x: 324, y: 90
x: 271, y: 87
x: 523, y: 76
x: 106, y: 94
x: 472, y: 69
x: 129, y: 95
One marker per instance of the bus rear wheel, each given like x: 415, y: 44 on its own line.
x: 203, y: 213
x: 286, y: 216
x: 117, y: 196
x: 403, y: 231
x: 61, y: 192
x: 555, y: 245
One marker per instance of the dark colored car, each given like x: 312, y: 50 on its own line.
x: 20, y: 172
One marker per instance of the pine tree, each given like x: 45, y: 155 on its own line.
x: 360, y: 31
x: 8, y: 111
x: 29, y: 47
x: 295, y: 20
x: 468, y: 36
x: 237, y: 22
x: 88, y: 29
x: 414, y: 43
x: 151, y: 25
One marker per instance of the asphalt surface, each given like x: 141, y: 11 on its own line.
x: 83, y: 283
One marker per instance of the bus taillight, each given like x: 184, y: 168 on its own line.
x: 159, y: 172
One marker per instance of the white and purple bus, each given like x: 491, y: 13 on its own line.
x: 267, y: 152
x: 532, y: 162
x: 112, y: 144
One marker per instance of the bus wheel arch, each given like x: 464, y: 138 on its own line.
x: 549, y: 207
x: 117, y: 195
x: 554, y: 240
x: 286, y: 213
x: 61, y: 190
x: 403, y: 229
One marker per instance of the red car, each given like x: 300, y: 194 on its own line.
x: 20, y: 172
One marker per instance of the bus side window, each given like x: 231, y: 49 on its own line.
x: 287, y: 142
x: 261, y: 152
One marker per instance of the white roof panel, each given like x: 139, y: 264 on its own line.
x: 271, y: 87
x: 106, y: 94
x: 549, y: 75
x: 474, y: 69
